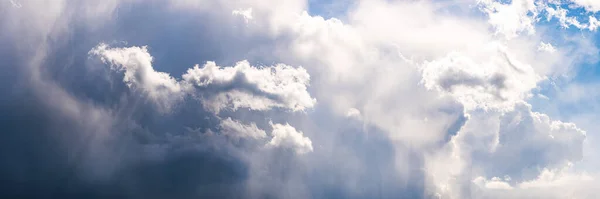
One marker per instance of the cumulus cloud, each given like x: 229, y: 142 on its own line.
x: 244, y: 86
x: 498, y: 151
x: 523, y: 134
x: 287, y: 136
x: 240, y: 86
x: 589, y: 5
x: 136, y: 65
x: 513, y: 18
x: 496, y: 83
x: 546, y: 47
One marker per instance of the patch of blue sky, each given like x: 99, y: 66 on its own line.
x: 330, y: 8
x: 587, y: 69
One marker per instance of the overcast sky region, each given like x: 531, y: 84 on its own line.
x: 300, y: 99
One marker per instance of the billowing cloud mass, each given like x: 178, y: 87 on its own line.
x: 136, y: 64
x: 299, y: 99
x: 244, y: 86
x: 241, y: 86
x: 499, y: 82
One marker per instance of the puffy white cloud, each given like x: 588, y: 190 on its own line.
x: 546, y: 47
x: 136, y: 65
x: 240, y: 86
x: 589, y: 5
x: 353, y: 113
x: 511, y: 19
x: 565, y: 20
x: 287, y: 136
x: 594, y: 23
x: 244, y: 86
x: 497, y: 83
x: 282, y: 135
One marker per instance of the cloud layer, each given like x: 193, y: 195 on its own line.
x: 256, y: 99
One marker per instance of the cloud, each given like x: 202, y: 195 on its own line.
x: 136, y: 64
x: 523, y: 134
x: 511, y: 19
x: 515, y: 17
x: 353, y: 113
x: 546, y: 47
x: 409, y: 107
x: 497, y: 83
x: 245, y: 86
x: 549, y: 184
x: 246, y: 14
x: 238, y: 130
x: 589, y: 5
x: 287, y: 136
x: 516, y: 146
x: 240, y: 86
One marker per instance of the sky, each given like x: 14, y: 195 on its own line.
x: 435, y: 99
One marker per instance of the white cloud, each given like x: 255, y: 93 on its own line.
x: 511, y: 19
x: 236, y: 129
x: 244, y: 13
x: 136, y: 65
x: 494, y: 183
x: 524, y: 134
x: 518, y: 145
x: 594, y: 23
x: 563, y: 18
x: 497, y: 83
x: 282, y: 135
x: 546, y: 47
x: 287, y: 136
x: 240, y: 86
x: 589, y: 5
x: 559, y: 183
x: 245, y: 86
x: 353, y: 113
